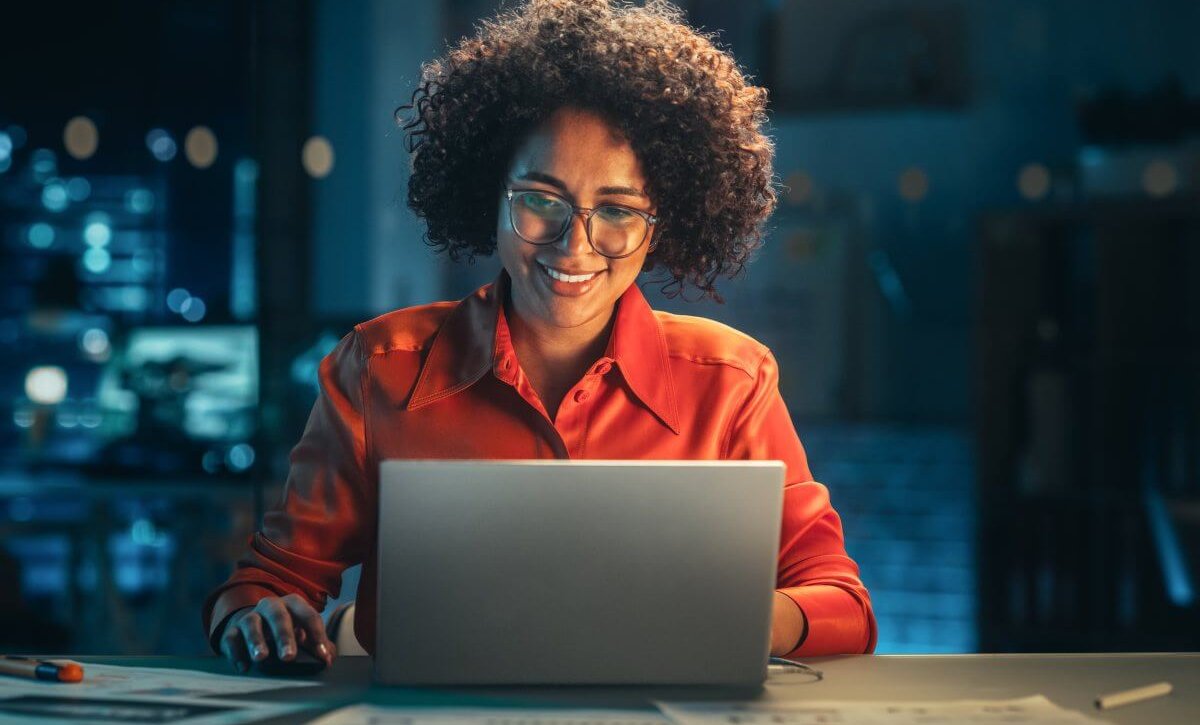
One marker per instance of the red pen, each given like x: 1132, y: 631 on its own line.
x: 41, y: 669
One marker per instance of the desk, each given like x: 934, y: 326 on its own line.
x: 1071, y: 681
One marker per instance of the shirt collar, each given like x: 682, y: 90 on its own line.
x: 466, y: 347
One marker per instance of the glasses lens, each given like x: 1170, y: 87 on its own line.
x: 617, y: 231
x: 538, y: 217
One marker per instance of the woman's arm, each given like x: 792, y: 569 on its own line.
x: 814, y: 570
x: 321, y: 525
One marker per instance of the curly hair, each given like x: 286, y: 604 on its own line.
x: 688, y: 112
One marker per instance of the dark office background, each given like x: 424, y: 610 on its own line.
x: 982, y: 284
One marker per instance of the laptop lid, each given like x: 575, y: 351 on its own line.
x: 577, y: 572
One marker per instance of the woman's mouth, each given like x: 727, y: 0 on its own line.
x: 567, y: 285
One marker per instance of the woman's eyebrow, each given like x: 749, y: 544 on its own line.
x: 557, y: 183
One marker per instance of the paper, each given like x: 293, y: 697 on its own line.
x: 1036, y: 709
x: 376, y: 715
x: 110, y: 709
x: 148, y: 681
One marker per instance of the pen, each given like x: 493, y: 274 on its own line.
x: 1137, y: 694
x: 40, y: 669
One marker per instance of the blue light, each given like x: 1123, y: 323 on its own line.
x: 97, y: 260
x: 40, y: 235
x: 44, y: 164
x: 97, y: 234
x: 54, y: 195
x: 5, y: 164
x: 161, y: 145
x: 6, y: 146
x: 176, y: 298
x: 192, y: 309
x: 139, y: 201
x: 78, y: 188
x: 240, y: 457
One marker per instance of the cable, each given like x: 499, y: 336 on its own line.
x: 786, y: 666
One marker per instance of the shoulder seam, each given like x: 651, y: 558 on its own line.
x: 705, y: 360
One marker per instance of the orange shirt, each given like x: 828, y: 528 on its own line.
x: 443, y: 381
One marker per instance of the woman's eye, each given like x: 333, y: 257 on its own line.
x: 614, y: 213
x: 540, y: 203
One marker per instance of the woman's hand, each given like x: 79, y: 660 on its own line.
x: 281, y: 623
x: 788, y: 625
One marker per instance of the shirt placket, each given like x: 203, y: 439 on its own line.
x: 575, y: 411
x: 509, y: 372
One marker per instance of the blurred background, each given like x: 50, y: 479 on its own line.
x: 982, y: 284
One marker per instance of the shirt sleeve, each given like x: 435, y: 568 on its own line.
x: 814, y: 569
x: 318, y: 528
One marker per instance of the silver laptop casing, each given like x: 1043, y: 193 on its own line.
x: 577, y: 572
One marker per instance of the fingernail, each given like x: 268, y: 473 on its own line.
x: 323, y: 650
x: 288, y: 650
x: 260, y: 652
x: 241, y: 666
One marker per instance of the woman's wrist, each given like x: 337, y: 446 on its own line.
x: 789, y: 626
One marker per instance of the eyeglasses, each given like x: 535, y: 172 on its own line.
x: 614, y: 231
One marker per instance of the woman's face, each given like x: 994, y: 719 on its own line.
x: 580, y: 157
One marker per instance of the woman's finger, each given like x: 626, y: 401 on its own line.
x: 256, y: 641
x: 279, y: 620
x: 316, y: 641
x: 233, y: 648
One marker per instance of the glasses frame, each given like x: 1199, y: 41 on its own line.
x: 651, y: 220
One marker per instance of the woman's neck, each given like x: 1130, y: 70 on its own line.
x: 555, y: 358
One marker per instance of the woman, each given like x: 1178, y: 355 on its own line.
x: 584, y: 143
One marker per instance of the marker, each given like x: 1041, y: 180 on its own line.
x: 1137, y: 694
x: 40, y: 669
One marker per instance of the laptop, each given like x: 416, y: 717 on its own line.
x: 577, y: 572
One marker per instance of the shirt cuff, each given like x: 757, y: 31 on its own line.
x: 835, y: 622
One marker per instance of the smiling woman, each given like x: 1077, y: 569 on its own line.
x: 584, y: 142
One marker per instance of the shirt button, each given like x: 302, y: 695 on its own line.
x: 581, y: 395
x: 603, y: 368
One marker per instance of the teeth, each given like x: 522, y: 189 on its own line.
x: 555, y: 274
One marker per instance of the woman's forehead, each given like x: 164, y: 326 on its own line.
x: 580, y: 149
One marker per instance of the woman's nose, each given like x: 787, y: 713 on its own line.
x: 574, y: 239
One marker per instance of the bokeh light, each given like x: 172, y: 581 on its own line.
x: 79, y: 189
x: 913, y: 184
x: 160, y: 144
x: 81, y: 137
x: 317, y: 157
x: 40, y: 235
x: 44, y: 164
x: 46, y: 384
x: 95, y: 343
x: 97, y: 232
x: 200, y: 147
x: 176, y: 298
x: 55, y: 196
x: 139, y: 201
x: 1160, y: 178
x: 240, y: 457
x: 97, y: 260
x: 193, y: 309
x: 1033, y: 182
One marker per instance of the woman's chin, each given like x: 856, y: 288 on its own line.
x: 567, y: 315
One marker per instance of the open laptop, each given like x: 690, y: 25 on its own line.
x: 577, y: 572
